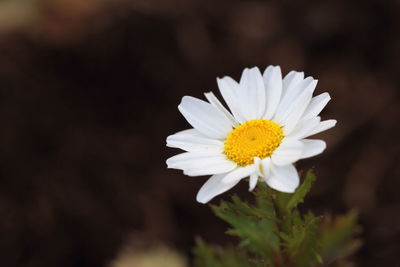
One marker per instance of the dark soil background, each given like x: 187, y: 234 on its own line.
x: 89, y: 92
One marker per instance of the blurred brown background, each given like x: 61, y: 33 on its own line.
x: 89, y: 92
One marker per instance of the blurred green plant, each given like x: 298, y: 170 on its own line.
x: 273, y: 232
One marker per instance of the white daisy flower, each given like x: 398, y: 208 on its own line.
x: 261, y: 136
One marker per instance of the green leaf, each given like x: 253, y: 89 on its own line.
x: 301, y: 192
x: 204, y: 255
x: 273, y: 232
x: 255, y: 225
x: 301, y: 243
x: 214, y: 256
x: 337, y: 236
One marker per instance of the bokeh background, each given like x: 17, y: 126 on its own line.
x: 89, y: 92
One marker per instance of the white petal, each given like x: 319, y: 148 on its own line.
x: 186, y: 159
x: 216, y: 103
x: 289, y: 151
x: 291, y: 80
x: 229, y: 90
x: 304, y: 128
x: 273, y: 86
x: 205, y: 118
x: 253, y: 181
x: 239, y: 174
x: 192, y: 140
x: 284, y: 179
x: 262, y: 167
x: 292, y: 94
x: 201, y: 163
x: 297, y: 108
x: 316, y: 105
x: 266, y: 167
x: 252, y: 94
x: 323, y: 126
x: 258, y: 166
x: 312, y: 147
x: 213, y: 187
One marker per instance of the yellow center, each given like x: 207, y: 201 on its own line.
x: 255, y: 138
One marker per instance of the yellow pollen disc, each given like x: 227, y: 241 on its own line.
x: 255, y: 138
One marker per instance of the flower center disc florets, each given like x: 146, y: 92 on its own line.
x: 255, y: 138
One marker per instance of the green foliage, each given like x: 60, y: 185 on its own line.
x: 336, y: 237
x: 207, y: 256
x: 273, y: 232
x: 255, y: 226
x: 301, y: 192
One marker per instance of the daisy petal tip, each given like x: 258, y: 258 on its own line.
x: 189, y: 173
x: 256, y: 69
x: 208, y: 95
x: 181, y: 105
x: 278, y: 71
x: 203, y: 196
x: 268, y: 69
x: 330, y: 124
x: 323, y: 146
x: 170, y: 165
x: 322, y: 149
x: 312, y: 85
x: 202, y: 202
x: 168, y: 140
x: 327, y: 95
x: 223, y: 78
x: 253, y: 182
x: 221, y: 81
x: 202, y: 199
x: 185, y: 98
x: 288, y: 190
x: 291, y: 191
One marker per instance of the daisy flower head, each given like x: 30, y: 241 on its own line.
x: 263, y: 133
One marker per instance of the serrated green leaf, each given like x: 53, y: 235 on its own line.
x: 204, y: 255
x: 337, y: 236
x: 255, y: 225
x: 306, y: 242
x: 214, y: 256
x: 273, y: 232
x: 301, y: 192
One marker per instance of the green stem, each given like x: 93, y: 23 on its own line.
x: 279, y: 201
